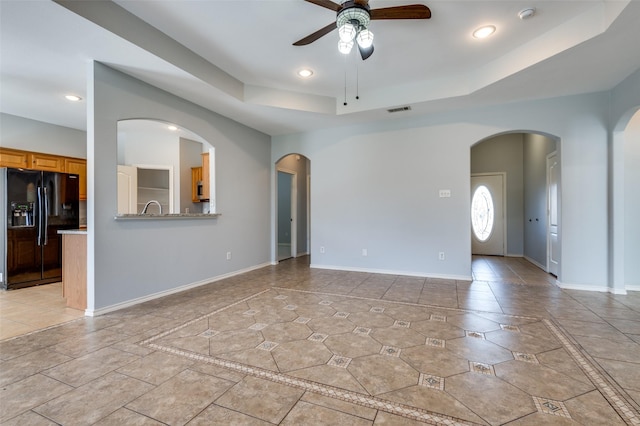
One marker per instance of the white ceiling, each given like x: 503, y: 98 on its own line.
x: 240, y: 61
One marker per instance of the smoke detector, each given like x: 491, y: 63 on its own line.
x: 527, y: 13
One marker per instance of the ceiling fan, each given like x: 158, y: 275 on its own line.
x: 352, y: 22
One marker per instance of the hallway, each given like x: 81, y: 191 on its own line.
x: 287, y: 344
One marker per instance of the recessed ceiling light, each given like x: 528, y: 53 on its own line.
x: 73, y: 98
x: 172, y: 128
x: 484, y: 32
x: 305, y: 73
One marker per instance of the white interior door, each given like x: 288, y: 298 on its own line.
x: 553, y: 242
x: 127, y: 189
x: 487, y: 214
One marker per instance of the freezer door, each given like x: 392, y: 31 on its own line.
x: 61, y: 207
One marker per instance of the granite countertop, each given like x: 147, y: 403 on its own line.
x: 167, y: 216
x: 82, y: 231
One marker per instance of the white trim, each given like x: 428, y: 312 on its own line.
x: 393, y: 272
x: 586, y: 287
x: 633, y: 287
x: 136, y: 301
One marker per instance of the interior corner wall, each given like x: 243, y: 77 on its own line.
x: 504, y: 154
x: 376, y: 186
x: 134, y: 260
x: 536, y: 149
x: 31, y: 135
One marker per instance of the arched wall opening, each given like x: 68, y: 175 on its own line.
x: 292, y: 207
x: 527, y: 165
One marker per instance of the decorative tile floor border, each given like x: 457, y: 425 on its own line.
x: 617, y: 402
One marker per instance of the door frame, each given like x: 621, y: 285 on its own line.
x: 504, y: 207
x: 558, y: 205
x: 294, y: 210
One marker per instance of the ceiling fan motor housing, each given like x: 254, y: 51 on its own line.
x: 355, y: 13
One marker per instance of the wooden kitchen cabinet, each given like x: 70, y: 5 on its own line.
x: 14, y: 158
x: 205, y: 175
x: 196, y: 176
x: 46, y: 162
x: 78, y: 166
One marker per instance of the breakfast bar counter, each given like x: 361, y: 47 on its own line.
x: 74, y: 267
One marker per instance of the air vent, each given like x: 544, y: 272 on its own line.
x: 400, y: 109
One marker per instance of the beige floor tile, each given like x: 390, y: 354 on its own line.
x: 626, y: 374
x: 498, y: 403
x: 156, y: 368
x: 306, y: 413
x: 93, y: 401
x: 215, y: 415
x: 592, y: 408
x: 21, y: 367
x: 10, y: 329
x: 29, y: 419
x: 180, y: 398
x: 262, y: 399
x: 380, y: 374
x: 89, y: 367
x: 126, y: 417
x: 338, y: 405
x: 26, y: 394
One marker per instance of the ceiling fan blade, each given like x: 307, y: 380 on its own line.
x: 326, y: 4
x: 365, y: 52
x: 410, y: 11
x: 313, y: 37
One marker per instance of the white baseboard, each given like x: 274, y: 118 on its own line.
x: 530, y: 260
x: 394, y: 272
x: 632, y: 287
x: 586, y: 287
x: 138, y: 300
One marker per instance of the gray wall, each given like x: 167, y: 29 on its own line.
x: 632, y: 202
x: 504, y: 153
x: 129, y: 261
x: 31, y: 135
x: 376, y: 185
x: 536, y: 149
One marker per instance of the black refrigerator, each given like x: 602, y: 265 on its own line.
x: 35, y: 205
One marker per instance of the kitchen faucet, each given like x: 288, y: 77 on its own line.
x: 146, y: 206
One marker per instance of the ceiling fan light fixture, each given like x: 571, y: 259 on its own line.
x: 365, y: 38
x: 73, y: 98
x: 347, y: 32
x: 484, y: 32
x: 349, y: 15
x: 345, y: 47
x: 305, y: 73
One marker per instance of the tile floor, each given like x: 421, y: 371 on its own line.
x: 292, y: 345
x: 33, y: 308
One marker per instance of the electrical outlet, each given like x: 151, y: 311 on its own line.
x: 321, y: 249
x: 364, y: 252
x: 441, y: 255
x: 445, y: 193
x: 228, y: 255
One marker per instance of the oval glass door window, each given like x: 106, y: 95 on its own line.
x: 482, y: 213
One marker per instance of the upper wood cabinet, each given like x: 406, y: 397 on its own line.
x: 205, y: 176
x: 47, y: 162
x: 78, y: 166
x: 14, y: 158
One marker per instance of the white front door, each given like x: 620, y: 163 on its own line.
x: 487, y: 214
x: 553, y: 242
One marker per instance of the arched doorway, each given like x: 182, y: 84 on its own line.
x: 522, y: 174
x: 292, y: 207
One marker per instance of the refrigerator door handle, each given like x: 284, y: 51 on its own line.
x: 39, y: 213
x: 45, y: 216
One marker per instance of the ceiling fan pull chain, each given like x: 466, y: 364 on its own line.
x: 357, y: 81
x: 345, y: 80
